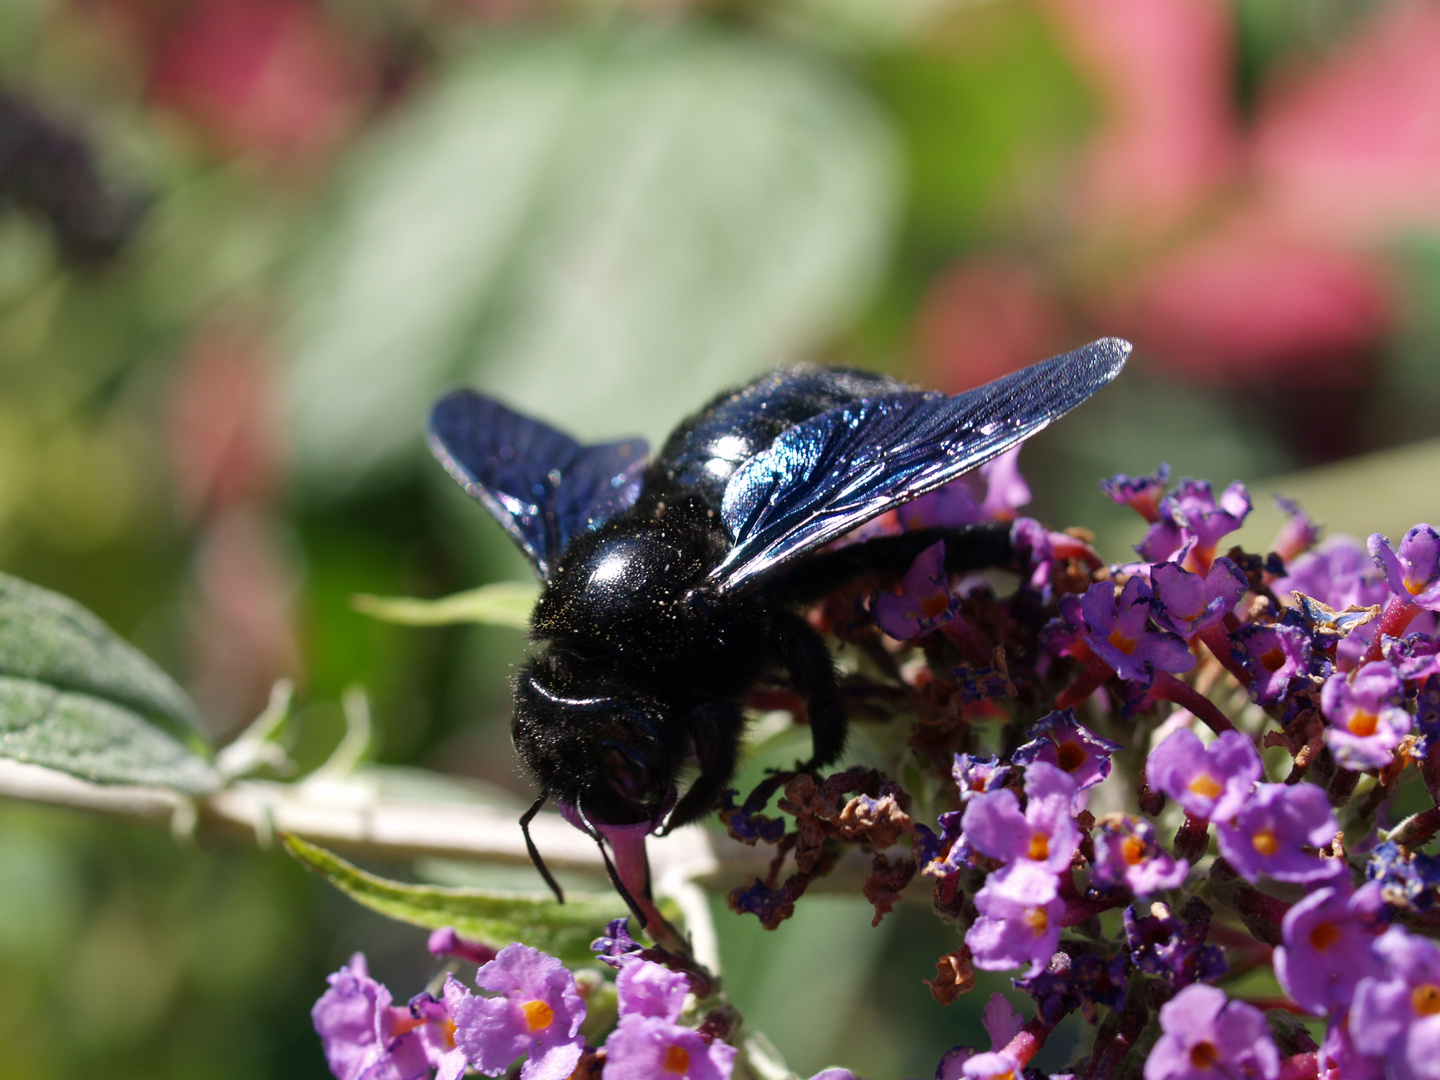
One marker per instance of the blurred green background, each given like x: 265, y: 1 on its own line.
x: 244, y: 243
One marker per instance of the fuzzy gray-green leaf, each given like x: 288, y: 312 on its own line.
x: 76, y: 697
x: 495, y: 918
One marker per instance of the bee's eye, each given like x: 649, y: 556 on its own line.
x: 628, y: 774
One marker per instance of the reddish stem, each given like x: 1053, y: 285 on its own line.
x: 1187, y: 697
x: 1096, y: 672
x: 1192, y: 838
x: 1028, y: 1041
x: 1399, y: 610
x: 1217, y: 639
x: 1300, y: 1067
x: 1418, y: 830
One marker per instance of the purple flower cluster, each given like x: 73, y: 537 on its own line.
x: 1128, y: 786
x: 530, y: 1008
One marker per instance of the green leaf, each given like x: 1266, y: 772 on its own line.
x: 600, y: 226
x: 501, y: 603
x: 75, y: 697
x: 496, y: 918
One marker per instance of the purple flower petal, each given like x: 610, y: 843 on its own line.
x: 1210, y: 782
x: 1269, y: 833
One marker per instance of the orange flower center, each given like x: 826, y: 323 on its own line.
x: 1070, y: 756
x: 1324, y: 935
x: 1273, y: 659
x: 677, y: 1060
x: 1426, y: 999
x: 1265, y: 842
x: 1206, y: 786
x: 538, y: 1015
x: 1039, y: 847
x: 1125, y: 644
x: 1203, y: 1055
x: 1037, y: 919
x: 1363, y: 723
x: 1132, y: 851
x: 931, y: 606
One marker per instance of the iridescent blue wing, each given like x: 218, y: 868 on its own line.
x: 541, y: 485
x: 826, y: 475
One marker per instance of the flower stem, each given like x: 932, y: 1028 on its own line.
x: 1096, y: 672
x: 1300, y: 1067
x: 1399, y: 610
x: 1217, y: 639
x: 1170, y: 688
x: 1028, y: 1041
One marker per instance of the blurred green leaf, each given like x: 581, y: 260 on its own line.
x: 75, y: 697
x: 496, y: 918
x: 600, y: 226
x: 501, y: 603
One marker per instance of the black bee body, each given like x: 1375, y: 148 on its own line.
x: 672, y: 588
x: 628, y: 611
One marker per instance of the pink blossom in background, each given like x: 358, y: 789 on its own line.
x: 1169, y: 137
x: 984, y: 318
x: 277, y: 79
x: 1248, y: 302
x: 225, y: 443
x: 1351, y: 150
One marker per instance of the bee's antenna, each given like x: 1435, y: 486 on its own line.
x: 610, y: 867
x: 535, y: 858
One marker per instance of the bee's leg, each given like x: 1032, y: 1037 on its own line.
x: 812, y: 673
x: 716, y: 728
x: 971, y: 547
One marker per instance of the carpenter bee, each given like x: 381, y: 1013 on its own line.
x: 673, y: 584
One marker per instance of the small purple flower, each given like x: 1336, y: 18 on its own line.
x: 942, y: 855
x: 1059, y: 739
x: 1414, y: 571
x: 1210, y: 782
x: 1084, y: 982
x: 649, y: 989
x: 1327, y: 937
x: 365, y: 1037
x: 1338, y: 574
x: 1187, y: 603
x: 924, y: 601
x: 446, y: 942
x: 1299, y: 533
x: 1193, y: 506
x: 617, y: 946
x: 1019, y: 920
x: 976, y: 774
x: 1208, y: 1037
x: 538, y: 1013
x: 1118, y: 633
x: 1339, y: 1060
x: 1269, y: 834
x: 1045, y: 835
x: 1161, y: 944
x: 1001, y: 1021
x: 992, y: 492
x: 1397, y: 1016
x: 658, y: 1049
x: 1165, y: 541
x: 1127, y: 852
x: 1366, y: 720
x: 1273, y: 655
x: 1141, y: 493
x: 1415, y: 656
x: 1408, y: 879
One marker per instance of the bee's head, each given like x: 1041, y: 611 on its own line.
x: 594, y: 743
